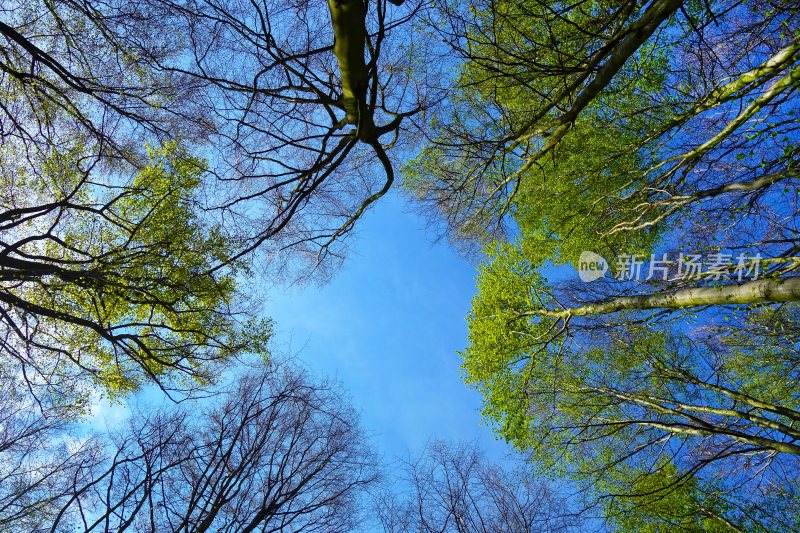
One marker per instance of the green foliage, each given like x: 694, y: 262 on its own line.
x: 661, y: 501
x: 657, y: 148
x: 637, y: 415
x: 568, y: 203
x: 522, y: 55
x: 135, y: 285
x: 499, y: 339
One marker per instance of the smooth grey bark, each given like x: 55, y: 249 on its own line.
x: 758, y: 291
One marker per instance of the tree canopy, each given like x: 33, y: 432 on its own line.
x: 641, y: 131
x: 160, y: 158
x: 156, y: 155
x: 274, y: 451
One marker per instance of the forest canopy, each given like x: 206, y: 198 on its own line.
x: 162, y: 160
x: 645, y: 134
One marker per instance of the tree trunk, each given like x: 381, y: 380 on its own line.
x: 760, y: 291
x: 348, y: 18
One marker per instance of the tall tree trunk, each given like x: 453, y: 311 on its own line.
x: 759, y: 291
x: 348, y: 18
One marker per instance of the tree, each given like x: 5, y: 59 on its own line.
x: 689, y: 506
x: 630, y: 128
x: 273, y: 452
x: 38, y: 467
x: 253, y: 84
x: 639, y: 412
x: 153, y: 154
x: 454, y: 488
x: 595, y: 125
x: 117, y: 286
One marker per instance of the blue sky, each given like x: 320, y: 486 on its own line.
x: 387, y: 327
